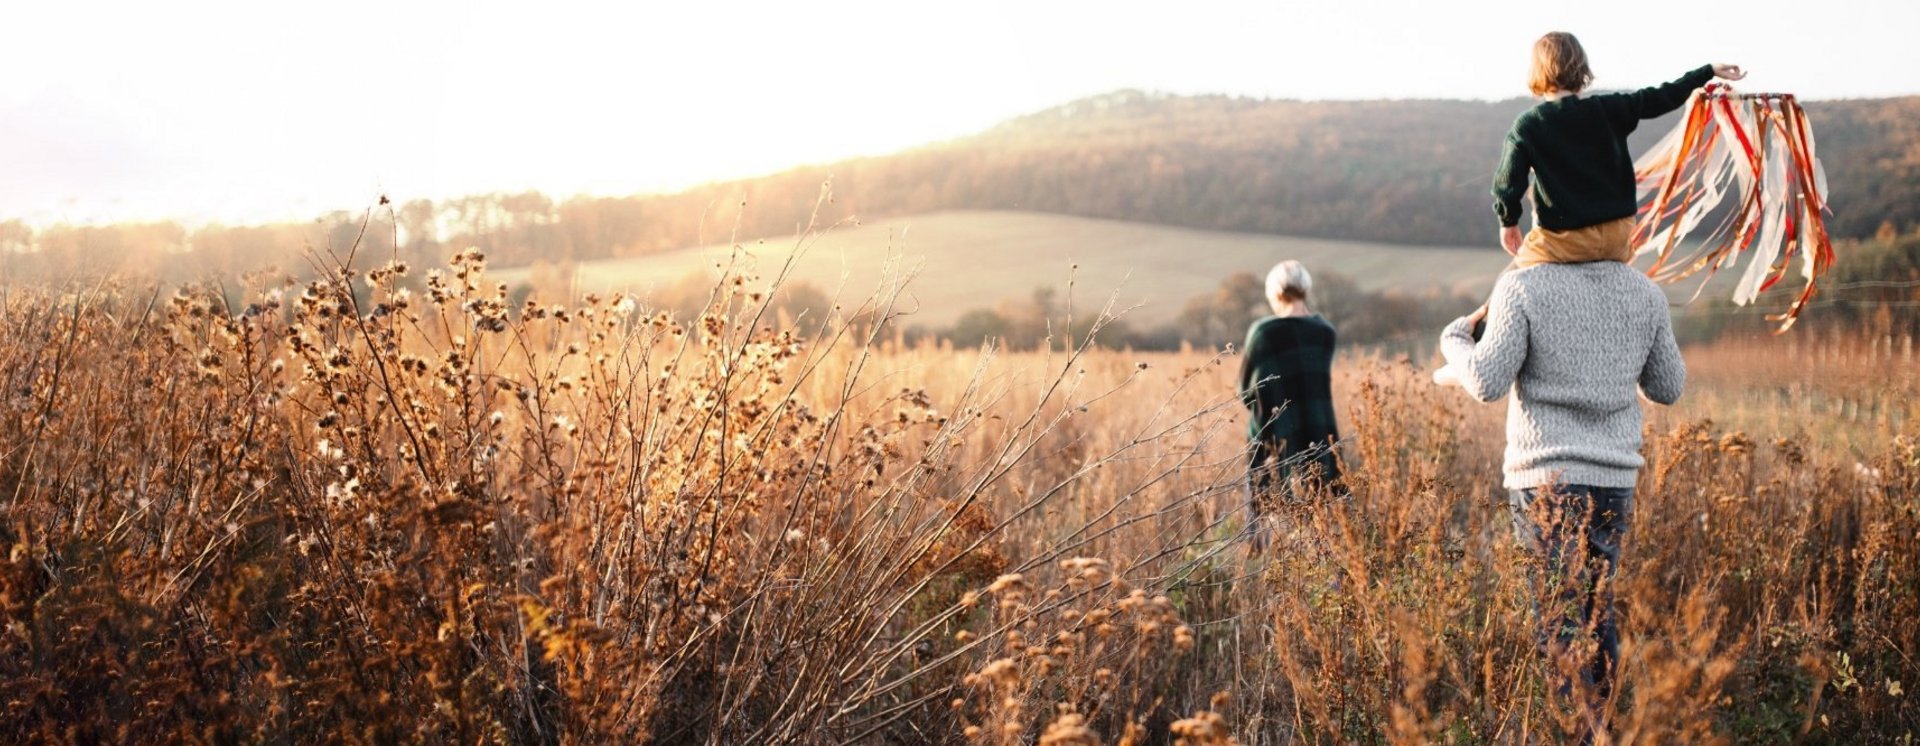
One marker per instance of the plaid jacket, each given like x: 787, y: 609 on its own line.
x: 1285, y: 372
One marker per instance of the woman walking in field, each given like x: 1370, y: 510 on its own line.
x: 1285, y: 381
x: 1576, y: 334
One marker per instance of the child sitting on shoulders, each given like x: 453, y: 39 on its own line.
x: 1573, y: 149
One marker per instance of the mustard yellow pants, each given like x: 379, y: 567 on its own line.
x: 1595, y: 243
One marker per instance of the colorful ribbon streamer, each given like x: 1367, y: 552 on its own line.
x: 1759, y: 148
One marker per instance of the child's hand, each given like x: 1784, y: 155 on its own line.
x: 1729, y: 72
x: 1478, y: 315
x: 1510, y: 239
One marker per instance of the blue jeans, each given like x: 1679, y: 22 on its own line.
x: 1572, y: 534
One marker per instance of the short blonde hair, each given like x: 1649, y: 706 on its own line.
x: 1288, y: 280
x: 1559, y: 64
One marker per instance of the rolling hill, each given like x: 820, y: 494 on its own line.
x: 976, y: 259
x: 1402, y: 172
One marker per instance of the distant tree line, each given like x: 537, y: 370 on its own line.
x: 1214, y: 320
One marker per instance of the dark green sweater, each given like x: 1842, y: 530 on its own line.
x: 1285, y: 380
x: 1576, y: 149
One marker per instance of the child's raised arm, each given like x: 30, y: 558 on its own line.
x: 1654, y: 101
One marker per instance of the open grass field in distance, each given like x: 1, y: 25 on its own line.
x: 975, y: 259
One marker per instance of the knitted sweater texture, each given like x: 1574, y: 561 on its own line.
x: 1574, y: 343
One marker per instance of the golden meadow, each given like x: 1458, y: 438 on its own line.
x: 390, y: 506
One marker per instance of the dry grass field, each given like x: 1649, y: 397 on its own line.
x: 387, y: 507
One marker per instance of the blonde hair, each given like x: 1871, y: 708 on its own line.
x: 1288, y: 281
x: 1559, y: 64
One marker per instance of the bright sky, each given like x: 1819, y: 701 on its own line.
x: 250, y: 111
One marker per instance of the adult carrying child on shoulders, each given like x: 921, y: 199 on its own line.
x: 1577, y: 336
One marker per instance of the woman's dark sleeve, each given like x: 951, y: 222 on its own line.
x: 1254, y: 348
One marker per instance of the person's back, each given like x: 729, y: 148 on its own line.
x: 1287, y: 373
x: 1576, y: 343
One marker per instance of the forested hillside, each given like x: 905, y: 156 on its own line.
x: 1409, y: 172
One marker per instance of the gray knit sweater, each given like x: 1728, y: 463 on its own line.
x: 1573, y: 341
